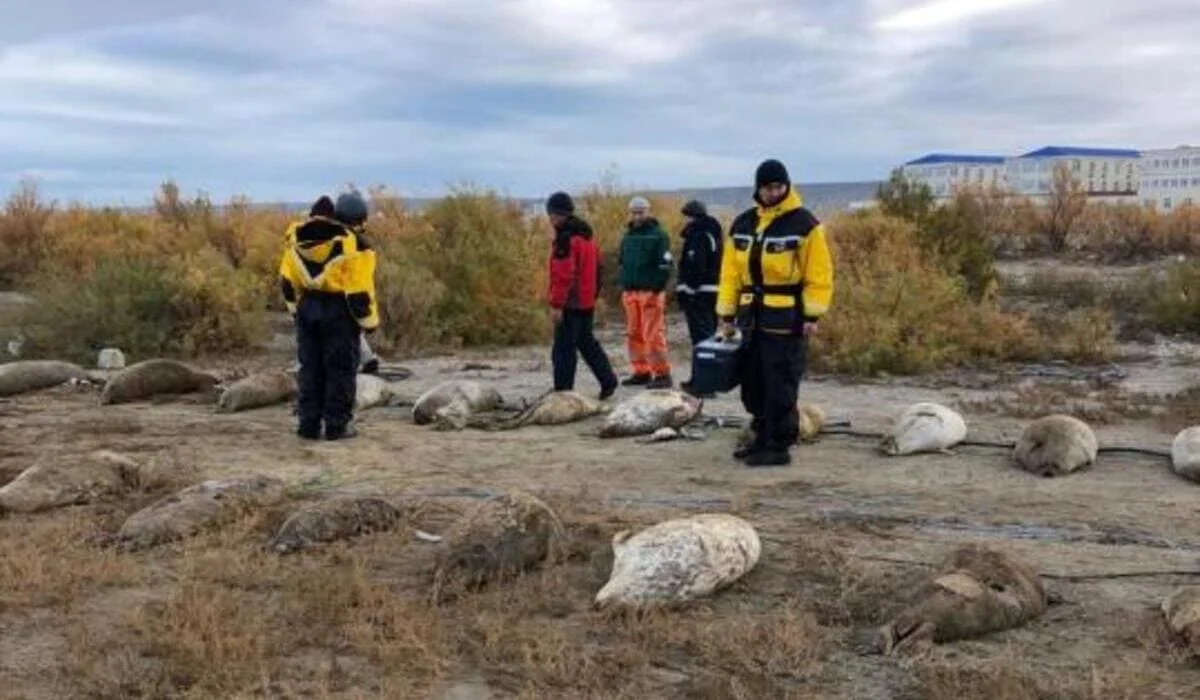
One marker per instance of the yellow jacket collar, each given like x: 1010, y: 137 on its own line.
x: 791, y: 201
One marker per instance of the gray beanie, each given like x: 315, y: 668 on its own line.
x: 639, y: 203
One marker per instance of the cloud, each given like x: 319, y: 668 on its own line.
x: 280, y: 100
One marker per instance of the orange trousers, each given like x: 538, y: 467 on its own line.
x: 646, y: 330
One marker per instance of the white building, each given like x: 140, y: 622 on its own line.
x: 1170, y: 177
x: 1105, y: 173
x: 944, y: 172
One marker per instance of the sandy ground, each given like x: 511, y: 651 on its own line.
x: 1128, y: 515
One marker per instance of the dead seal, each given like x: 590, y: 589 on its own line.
x: 1055, y: 445
x: 450, y: 404
x: 679, y: 560
x: 338, y: 518
x: 371, y: 391
x: 1181, y: 610
x: 155, y: 377
x: 924, y: 427
x: 197, y: 507
x: 261, y: 389
x: 552, y: 408
x: 24, y: 376
x: 811, y: 419
x: 494, y: 540
x: 650, y: 410
x: 974, y: 592
x: 95, y: 477
x: 1185, y: 453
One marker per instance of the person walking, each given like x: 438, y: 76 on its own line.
x: 328, y: 284
x: 699, y: 274
x: 776, y: 283
x: 645, y: 261
x: 574, y: 287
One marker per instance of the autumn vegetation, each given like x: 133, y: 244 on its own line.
x: 917, y: 281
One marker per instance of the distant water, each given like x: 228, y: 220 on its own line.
x: 818, y: 196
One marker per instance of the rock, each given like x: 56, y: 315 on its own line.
x: 650, y: 410
x: 924, y: 427
x: 680, y: 560
x: 98, y: 476
x: 494, y: 540
x: 266, y: 388
x: 1185, y: 453
x: 974, y: 592
x: 155, y: 377
x: 337, y: 518
x: 24, y: 376
x: 198, y: 507
x: 110, y: 359
x: 1055, y: 445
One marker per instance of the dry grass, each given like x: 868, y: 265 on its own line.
x: 221, y: 616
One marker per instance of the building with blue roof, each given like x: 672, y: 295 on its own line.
x: 944, y: 172
x: 1108, y: 173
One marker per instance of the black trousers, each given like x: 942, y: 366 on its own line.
x: 575, y: 336
x: 771, y: 366
x: 700, y: 312
x: 327, y: 340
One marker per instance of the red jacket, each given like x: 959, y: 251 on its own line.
x: 574, y: 267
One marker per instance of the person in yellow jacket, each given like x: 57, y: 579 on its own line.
x: 327, y: 277
x: 776, y: 284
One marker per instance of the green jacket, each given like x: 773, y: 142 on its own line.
x: 645, y: 258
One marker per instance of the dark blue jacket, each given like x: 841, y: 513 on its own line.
x: 700, y: 260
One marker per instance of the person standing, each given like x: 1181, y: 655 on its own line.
x: 574, y: 287
x: 351, y: 210
x: 699, y: 274
x: 328, y: 284
x: 776, y: 283
x: 645, y: 261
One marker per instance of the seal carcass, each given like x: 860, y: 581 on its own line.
x: 97, y: 476
x: 494, y: 540
x: 812, y: 419
x: 924, y: 427
x: 552, y: 408
x: 261, y: 389
x: 450, y: 404
x: 1181, y: 610
x: 370, y: 392
x: 679, y: 560
x: 1055, y: 445
x: 24, y: 376
x: 974, y: 592
x: 333, y: 519
x: 207, y: 504
x: 153, y: 378
x: 1185, y: 453
x: 648, y: 411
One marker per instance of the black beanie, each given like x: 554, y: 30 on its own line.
x: 694, y: 207
x: 771, y: 171
x: 560, y: 203
x: 322, y: 207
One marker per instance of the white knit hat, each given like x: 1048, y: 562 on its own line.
x: 639, y: 204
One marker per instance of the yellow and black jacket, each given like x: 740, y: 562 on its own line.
x: 323, y: 256
x: 776, y: 269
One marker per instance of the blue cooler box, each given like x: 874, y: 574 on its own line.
x: 715, y: 364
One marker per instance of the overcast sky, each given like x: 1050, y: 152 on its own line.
x: 279, y: 99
